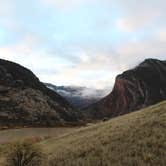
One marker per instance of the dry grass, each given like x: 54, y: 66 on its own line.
x: 12, y: 135
x: 136, y: 139
x: 32, y: 135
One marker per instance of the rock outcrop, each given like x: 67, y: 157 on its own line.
x: 24, y: 100
x: 134, y: 89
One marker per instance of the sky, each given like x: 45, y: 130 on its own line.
x: 82, y: 42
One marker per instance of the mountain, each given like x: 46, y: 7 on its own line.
x: 134, y: 89
x: 24, y: 100
x: 79, y: 97
x: 135, y: 139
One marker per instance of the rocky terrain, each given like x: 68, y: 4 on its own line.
x: 79, y: 97
x: 24, y: 100
x: 134, y: 89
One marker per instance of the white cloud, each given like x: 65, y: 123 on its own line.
x: 94, y: 65
x: 134, y: 52
x: 36, y: 59
x: 97, y: 67
x: 135, y: 22
x: 6, y: 7
x: 140, y: 14
x: 162, y: 35
x: 64, y: 4
x: 7, y: 13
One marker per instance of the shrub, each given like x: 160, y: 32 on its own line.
x: 24, y: 154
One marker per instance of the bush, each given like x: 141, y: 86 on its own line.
x: 24, y: 154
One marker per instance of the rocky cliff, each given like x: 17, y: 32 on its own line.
x: 24, y: 100
x: 134, y: 89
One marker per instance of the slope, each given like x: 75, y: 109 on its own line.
x: 24, y: 100
x: 137, y: 138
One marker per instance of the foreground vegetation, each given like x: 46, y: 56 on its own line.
x: 136, y: 139
x: 24, y: 154
x: 10, y: 137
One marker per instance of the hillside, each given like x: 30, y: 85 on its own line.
x: 138, y: 138
x: 79, y: 97
x: 30, y: 133
x: 134, y: 89
x: 24, y: 100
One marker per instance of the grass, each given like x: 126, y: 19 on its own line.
x: 136, y: 139
x: 28, y: 134
x: 12, y: 135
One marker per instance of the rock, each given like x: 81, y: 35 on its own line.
x: 134, y: 89
x: 25, y: 101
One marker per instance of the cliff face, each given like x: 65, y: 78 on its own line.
x: 24, y: 100
x: 134, y: 89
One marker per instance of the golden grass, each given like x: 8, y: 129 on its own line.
x: 12, y: 135
x: 32, y: 135
x: 136, y: 139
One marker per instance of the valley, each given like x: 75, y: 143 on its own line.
x: 127, y: 127
x: 82, y: 83
x: 134, y: 139
x: 11, y: 135
x: 79, y: 97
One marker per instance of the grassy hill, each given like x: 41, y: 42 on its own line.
x: 135, y: 139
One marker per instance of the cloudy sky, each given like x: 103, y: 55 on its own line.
x: 82, y: 42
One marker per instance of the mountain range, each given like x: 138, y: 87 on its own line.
x: 25, y: 101
x: 79, y: 97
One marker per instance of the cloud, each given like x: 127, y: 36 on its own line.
x: 29, y: 54
x: 5, y: 53
x: 162, y: 35
x: 136, y: 15
x: 101, y: 67
x: 134, y: 52
x: 134, y: 23
x: 96, y: 66
x: 7, y: 12
x: 64, y: 4
x: 87, y: 46
x: 6, y: 7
